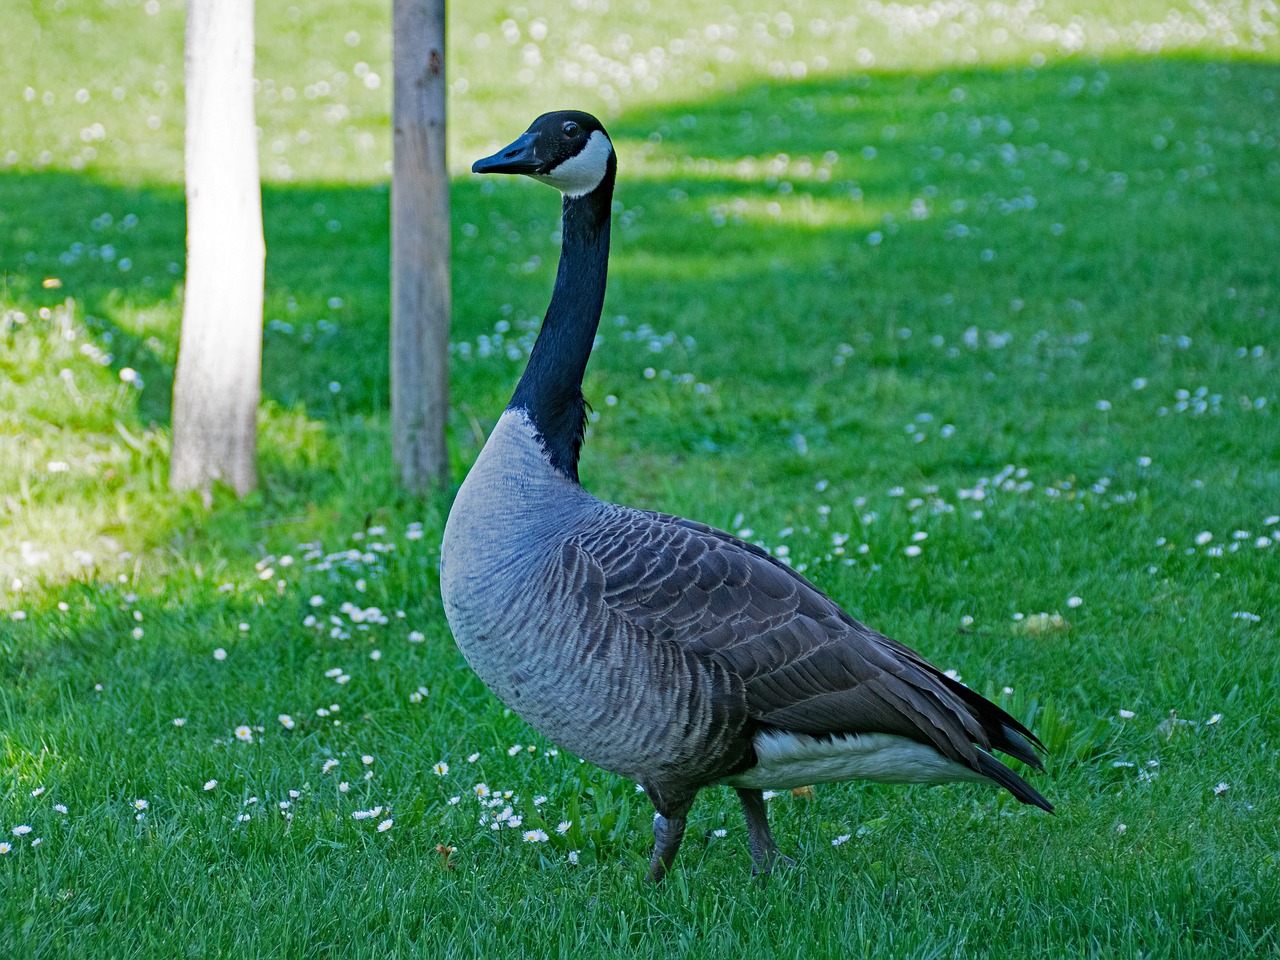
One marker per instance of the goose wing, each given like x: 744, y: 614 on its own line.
x: 807, y: 666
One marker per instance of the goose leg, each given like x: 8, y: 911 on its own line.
x: 668, y: 831
x: 764, y: 852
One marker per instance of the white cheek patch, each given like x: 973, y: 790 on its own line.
x: 581, y: 173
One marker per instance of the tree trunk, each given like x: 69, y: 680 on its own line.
x: 419, y: 247
x: 218, y: 380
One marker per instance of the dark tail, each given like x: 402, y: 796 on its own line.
x: 993, y: 769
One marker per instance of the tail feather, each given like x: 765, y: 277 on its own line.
x: 993, y: 769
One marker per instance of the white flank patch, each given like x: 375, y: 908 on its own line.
x: 788, y: 760
x: 581, y: 173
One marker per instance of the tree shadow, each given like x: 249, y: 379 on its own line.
x: 773, y: 229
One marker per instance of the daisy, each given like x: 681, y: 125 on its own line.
x: 141, y: 804
x: 244, y: 733
x: 385, y: 825
x: 535, y: 836
x: 440, y: 769
x: 563, y: 827
x: 210, y: 784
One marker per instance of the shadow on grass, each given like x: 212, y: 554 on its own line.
x: 1073, y: 198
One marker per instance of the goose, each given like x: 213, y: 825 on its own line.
x: 658, y: 648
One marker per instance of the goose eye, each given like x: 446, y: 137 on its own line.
x: 570, y: 128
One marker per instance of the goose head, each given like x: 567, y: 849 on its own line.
x: 567, y: 149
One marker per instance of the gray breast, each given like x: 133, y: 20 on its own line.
x: 523, y: 604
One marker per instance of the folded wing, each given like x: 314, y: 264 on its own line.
x: 806, y: 665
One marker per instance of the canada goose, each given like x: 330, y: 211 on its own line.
x: 659, y: 648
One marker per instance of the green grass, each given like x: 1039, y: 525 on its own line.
x: 847, y: 298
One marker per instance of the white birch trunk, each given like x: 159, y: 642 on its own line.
x: 218, y: 380
x: 419, y: 247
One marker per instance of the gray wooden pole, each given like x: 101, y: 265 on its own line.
x: 419, y: 247
x: 218, y: 379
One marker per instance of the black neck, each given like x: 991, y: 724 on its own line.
x: 550, y: 391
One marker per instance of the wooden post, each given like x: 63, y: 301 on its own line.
x: 218, y: 379
x: 419, y: 247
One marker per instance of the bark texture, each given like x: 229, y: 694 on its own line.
x: 218, y: 379
x: 420, y: 295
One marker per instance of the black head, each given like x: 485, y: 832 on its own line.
x: 568, y: 149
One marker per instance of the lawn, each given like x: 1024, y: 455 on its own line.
x: 971, y: 312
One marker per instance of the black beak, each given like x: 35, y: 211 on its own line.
x: 518, y: 157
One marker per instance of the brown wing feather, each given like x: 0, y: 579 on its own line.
x: 806, y: 665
